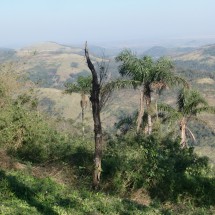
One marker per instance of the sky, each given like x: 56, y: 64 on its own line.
x: 25, y: 22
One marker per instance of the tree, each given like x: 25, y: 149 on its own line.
x: 83, y: 86
x: 95, y: 100
x: 148, y: 75
x: 100, y: 93
x: 190, y: 103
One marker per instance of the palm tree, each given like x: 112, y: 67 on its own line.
x: 190, y: 103
x: 147, y: 75
x: 82, y: 86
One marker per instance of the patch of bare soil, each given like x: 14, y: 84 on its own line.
x: 141, y: 197
x: 6, y: 162
x: 60, y: 173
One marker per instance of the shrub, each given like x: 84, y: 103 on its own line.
x: 159, y: 165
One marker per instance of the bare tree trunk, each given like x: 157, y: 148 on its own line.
x: 183, y: 142
x: 141, y: 111
x: 94, y: 98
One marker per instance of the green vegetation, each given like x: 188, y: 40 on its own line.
x: 46, y: 167
x: 83, y: 86
x: 149, y: 76
x: 189, y: 104
x: 23, y: 194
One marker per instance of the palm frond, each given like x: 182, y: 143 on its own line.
x: 134, y: 67
x: 191, y: 134
x: 127, y: 122
x: 119, y: 84
x: 167, y: 108
x: 171, y: 115
x: 206, y: 109
x: 72, y: 88
x: 83, y: 85
x: 107, y: 90
x: 189, y: 101
x: 180, y: 81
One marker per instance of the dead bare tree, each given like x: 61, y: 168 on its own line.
x: 101, y: 92
x: 95, y: 100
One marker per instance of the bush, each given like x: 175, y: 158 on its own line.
x: 28, y: 136
x: 160, y: 166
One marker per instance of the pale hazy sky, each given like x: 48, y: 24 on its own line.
x: 74, y: 21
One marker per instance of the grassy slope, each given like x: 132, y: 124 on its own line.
x: 52, y: 55
x: 25, y: 189
x: 24, y: 194
x: 67, y: 106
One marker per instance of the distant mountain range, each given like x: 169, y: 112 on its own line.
x: 159, y: 51
x: 52, y: 64
x: 200, y: 59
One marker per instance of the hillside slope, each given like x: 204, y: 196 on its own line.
x: 200, y: 59
x: 51, y: 64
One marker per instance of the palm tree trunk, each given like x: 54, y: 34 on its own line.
x: 82, y: 119
x: 149, y: 124
x: 156, y: 106
x: 183, y: 142
x: 83, y: 107
x: 141, y: 111
x: 148, y: 105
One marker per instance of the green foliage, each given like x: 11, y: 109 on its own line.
x: 83, y: 85
x: 28, y: 136
x: 23, y: 194
x: 159, y: 165
x: 126, y: 122
x: 74, y: 76
x: 150, y: 76
x: 155, y: 164
x: 146, y: 71
x: 190, y: 102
